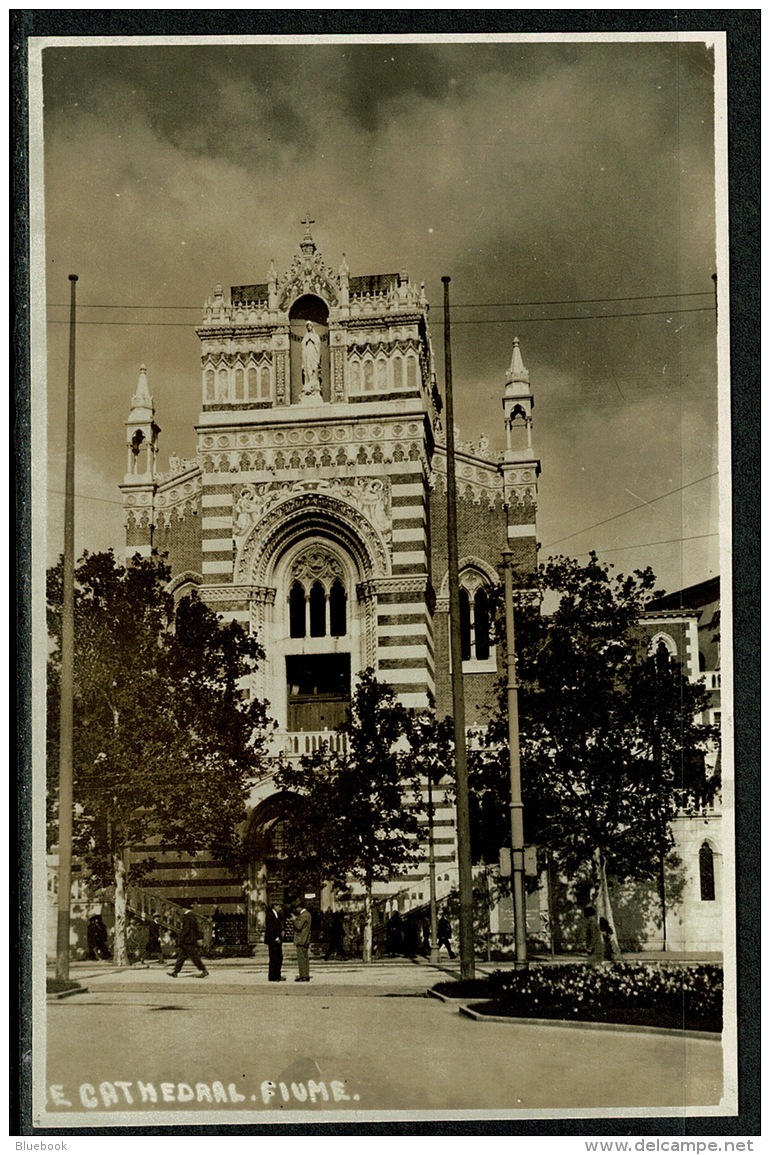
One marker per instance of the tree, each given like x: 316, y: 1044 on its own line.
x: 608, y: 750
x: 348, y: 817
x: 166, y: 741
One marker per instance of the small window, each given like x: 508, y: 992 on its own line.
x: 337, y: 610
x: 297, y: 626
x: 398, y: 373
x: 465, y: 625
x: 368, y: 376
x: 481, y: 625
x: 222, y: 388
x: 252, y: 383
x: 411, y: 373
x: 706, y: 870
x: 264, y: 383
x: 209, y: 384
x: 317, y: 611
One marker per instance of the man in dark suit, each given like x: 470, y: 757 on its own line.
x: 187, y: 943
x: 274, y: 940
x: 302, y: 923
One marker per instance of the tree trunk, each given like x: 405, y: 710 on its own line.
x: 367, y: 944
x: 120, y: 943
x: 603, y: 901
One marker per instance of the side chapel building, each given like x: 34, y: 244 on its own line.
x: 314, y: 512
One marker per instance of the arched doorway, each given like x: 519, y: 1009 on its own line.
x: 313, y: 309
x: 266, y: 869
x: 269, y: 879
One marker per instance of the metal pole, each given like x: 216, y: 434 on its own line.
x: 467, y: 969
x: 67, y: 671
x: 517, y: 807
x: 432, y: 876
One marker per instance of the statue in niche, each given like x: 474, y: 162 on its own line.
x: 311, y: 364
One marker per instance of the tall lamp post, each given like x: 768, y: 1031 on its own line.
x: 464, y: 871
x: 67, y: 673
x: 517, y: 806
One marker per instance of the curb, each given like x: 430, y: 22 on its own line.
x: 437, y: 995
x: 468, y: 1012
x: 55, y: 996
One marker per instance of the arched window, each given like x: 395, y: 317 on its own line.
x: 382, y: 374
x: 239, y: 394
x: 317, y: 595
x: 476, y: 626
x: 251, y: 391
x: 337, y: 610
x: 264, y: 383
x: 297, y: 624
x: 222, y: 387
x: 368, y: 375
x: 706, y: 871
x: 398, y: 373
x: 317, y: 611
x: 209, y: 384
x: 481, y: 625
x: 465, y: 624
x: 411, y: 373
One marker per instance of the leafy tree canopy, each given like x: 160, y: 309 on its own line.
x: 166, y: 740
x: 610, y: 745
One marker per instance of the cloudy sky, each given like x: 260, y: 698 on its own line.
x: 558, y: 184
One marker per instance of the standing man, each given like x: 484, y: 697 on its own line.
x: 187, y: 943
x: 302, y: 922
x: 274, y: 940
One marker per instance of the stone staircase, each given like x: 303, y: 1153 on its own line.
x: 147, y: 905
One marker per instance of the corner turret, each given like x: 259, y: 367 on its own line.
x: 141, y: 434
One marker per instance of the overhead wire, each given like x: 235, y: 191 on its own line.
x: 625, y: 512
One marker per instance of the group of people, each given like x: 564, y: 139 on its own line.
x: 303, y: 922
x: 410, y: 935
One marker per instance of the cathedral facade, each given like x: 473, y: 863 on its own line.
x: 314, y: 513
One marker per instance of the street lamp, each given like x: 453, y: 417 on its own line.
x: 517, y: 807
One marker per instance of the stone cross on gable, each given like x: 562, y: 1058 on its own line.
x: 307, y: 222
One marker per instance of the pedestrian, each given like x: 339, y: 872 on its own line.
x: 606, y: 932
x: 302, y: 924
x: 393, y: 935
x: 96, y: 937
x: 594, y: 944
x: 153, y: 949
x: 445, y: 935
x: 274, y: 940
x: 187, y: 942
x: 411, y: 937
x: 336, y: 936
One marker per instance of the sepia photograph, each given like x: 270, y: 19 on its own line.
x: 381, y: 551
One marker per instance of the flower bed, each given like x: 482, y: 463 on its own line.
x: 681, y: 997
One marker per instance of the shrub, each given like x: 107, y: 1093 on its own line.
x: 666, y: 994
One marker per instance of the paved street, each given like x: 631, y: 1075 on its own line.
x: 355, y: 1038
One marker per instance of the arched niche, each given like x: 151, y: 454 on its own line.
x: 306, y: 308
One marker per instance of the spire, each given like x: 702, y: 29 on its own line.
x: 142, y: 399
x: 517, y: 371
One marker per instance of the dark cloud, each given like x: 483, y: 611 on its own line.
x: 527, y: 172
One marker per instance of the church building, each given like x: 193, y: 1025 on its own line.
x: 314, y: 512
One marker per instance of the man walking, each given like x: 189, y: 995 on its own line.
x: 187, y: 943
x: 302, y: 922
x: 445, y: 934
x: 274, y: 940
